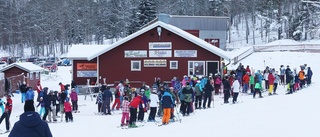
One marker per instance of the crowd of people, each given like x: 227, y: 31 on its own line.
x: 196, y: 92
x: 161, y: 99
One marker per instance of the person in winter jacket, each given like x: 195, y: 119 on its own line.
x: 277, y: 79
x: 23, y: 90
x: 208, y: 89
x: 134, y: 104
x: 282, y: 73
x: 226, y: 89
x: 302, y: 78
x: 251, y: 83
x: 217, y: 84
x: 287, y: 74
x: 187, y: 93
x: 117, y: 99
x: 199, y: 90
x: 236, y: 88
x: 142, y: 106
x: 107, y: 99
x: 62, y: 87
x: 99, y: 102
x: 291, y: 79
x: 167, y: 103
x: 42, y: 107
x: 2, y: 103
x: 271, y: 82
x: 38, y: 88
x: 68, y: 110
x: 74, y: 100
x: 125, y: 112
x: 154, y: 100
x: 30, y: 124
x: 309, y: 76
x: 52, y: 106
x: 7, y: 113
x: 257, y: 87
x: 245, y: 81
x: 30, y: 94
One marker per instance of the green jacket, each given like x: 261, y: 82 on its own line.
x: 251, y: 80
x: 258, y: 86
x: 147, y: 93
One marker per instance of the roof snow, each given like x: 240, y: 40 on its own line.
x: 85, y: 52
x: 173, y: 29
x: 26, y: 66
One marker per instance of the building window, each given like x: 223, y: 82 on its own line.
x: 196, y: 68
x: 31, y: 76
x: 37, y: 75
x: 135, y: 65
x: 155, y: 63
x: 173, y: 64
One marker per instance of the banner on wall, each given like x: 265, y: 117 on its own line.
x: 160, y: 45
x: 160, y: 53
x: 87, y: 74
x: 185, y: 53
x: 135, y: 53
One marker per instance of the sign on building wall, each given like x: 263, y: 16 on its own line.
x: 87, y: 70
x: 185, y: 53
x: 160, y: 45
x: 160, y: 53
x: 89, y: 73
x: 135, y: 53
x: 155, y: 63
x: 86, y: 66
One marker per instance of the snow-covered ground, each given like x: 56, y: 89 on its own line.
x: 283, y: 115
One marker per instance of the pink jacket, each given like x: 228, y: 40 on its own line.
x: 74, y: 96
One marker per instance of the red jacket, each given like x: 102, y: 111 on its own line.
x: 67, y: 107
x: 9, y: 104
x: 136, y: 102
x: 39, y: 87
x: 62, y: 87
x: 271, y: 79
x: 246, y: 79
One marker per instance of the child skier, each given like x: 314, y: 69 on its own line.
x: 68, y: 110
x: 125, y: 112
x: 29, y: 94
x: 167, y: 103
x: 117, y: 98
x: 99, y: 102
x: 142, y: 109
x: 74, y: 100
x: 134, y: 104
x: 154, y: 100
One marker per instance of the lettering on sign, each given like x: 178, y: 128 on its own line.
x: 135, y: 53
x: 160, y: 53
x: 160, y: 45
x: 87, y: 74
x: 185, y: 53
x: 86, y: 66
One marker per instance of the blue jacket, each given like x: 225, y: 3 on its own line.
x: 145, y: 100
x: 166, y: 100
x: 107, y: 95
x: 31, y: 125
x: 30, y: 95
x: 309, y: 73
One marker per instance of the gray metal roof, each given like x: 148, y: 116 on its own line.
x: 195, y: 22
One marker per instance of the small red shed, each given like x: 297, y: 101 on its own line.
x: 30, y: 71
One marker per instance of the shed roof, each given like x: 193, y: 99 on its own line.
x: 171, y: 28
x: 84, y: 52
x: 26, y: 66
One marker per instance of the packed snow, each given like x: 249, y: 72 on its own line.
x: 295, y: 115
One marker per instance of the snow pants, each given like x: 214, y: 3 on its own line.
x: 166, y: 115
x: 116, y: 102
x: 133, y: 115
x: 125, y: 118
x: 152, y: 115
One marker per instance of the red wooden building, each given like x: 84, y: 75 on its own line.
x: 158, y: 50
x: 31, y: 73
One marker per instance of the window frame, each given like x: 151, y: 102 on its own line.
x: 135, y: 61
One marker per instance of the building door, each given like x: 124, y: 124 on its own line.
x: 212, y: 67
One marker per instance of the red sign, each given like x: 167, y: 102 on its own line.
x: 86, y: 66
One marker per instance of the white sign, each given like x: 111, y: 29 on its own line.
x: 135, y: 53
x: 160, y: 53
x: 185, y: 53
x: 155, y: 63
x: 160, y: 45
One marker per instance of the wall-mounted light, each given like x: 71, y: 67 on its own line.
x: 159, y: 30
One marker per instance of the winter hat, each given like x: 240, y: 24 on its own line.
x: 28, y: 106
